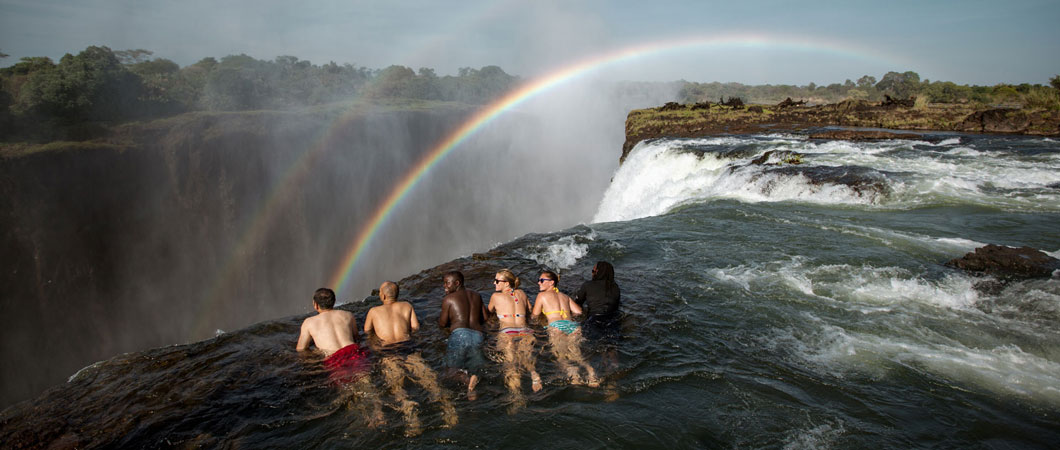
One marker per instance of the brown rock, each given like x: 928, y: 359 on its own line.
x: 1007, y: 262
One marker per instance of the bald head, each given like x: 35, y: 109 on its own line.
x: 388, y: 290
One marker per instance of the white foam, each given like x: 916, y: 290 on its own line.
x: 560, y: 255
x: 864, y: 288
x: 659, y: 176
x: 950, y: 141
x: 817, y: 437
x: 1005, y: 369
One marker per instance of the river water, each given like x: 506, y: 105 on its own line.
x: 778, y: 292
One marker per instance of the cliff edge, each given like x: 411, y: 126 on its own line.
x: 732, y: 117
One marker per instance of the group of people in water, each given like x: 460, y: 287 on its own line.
x: 334, y: 334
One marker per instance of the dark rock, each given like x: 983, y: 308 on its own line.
x: 671, y: 106
x: 733, y: 102
x: 787, y: 103
x: 1007, y: 262
x: 1000, y: 120
x: 755, y: 109
x: 890, y: 102
x: 786, y: 157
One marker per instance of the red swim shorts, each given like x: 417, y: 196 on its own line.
x: 347, y: 365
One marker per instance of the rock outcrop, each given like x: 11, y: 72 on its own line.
x: 707, y: 119
x: 1007, y: 262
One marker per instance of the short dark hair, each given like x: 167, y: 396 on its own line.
x: 456, y: 275
x: 324, y: 298
x: 551, y: 275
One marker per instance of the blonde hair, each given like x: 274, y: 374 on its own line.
x: 510, y: 277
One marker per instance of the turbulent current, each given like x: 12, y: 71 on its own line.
x: 777, y: 292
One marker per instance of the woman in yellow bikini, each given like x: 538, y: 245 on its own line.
x: 515, y: 341
x: 563, y: 333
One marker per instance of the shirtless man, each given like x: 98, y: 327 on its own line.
x: 393, y: 323
x: 464, y: 314
x: 334, y: 333
x: 563, y: 333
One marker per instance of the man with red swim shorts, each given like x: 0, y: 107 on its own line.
x: 334, y: 333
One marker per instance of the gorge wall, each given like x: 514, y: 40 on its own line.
x: 167, y: 231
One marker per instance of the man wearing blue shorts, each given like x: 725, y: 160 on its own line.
x: 464, y: 314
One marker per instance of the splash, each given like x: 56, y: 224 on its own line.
x: 560, y: 76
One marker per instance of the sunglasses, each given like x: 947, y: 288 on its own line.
x: 499, y: 281
x: 542, y: 280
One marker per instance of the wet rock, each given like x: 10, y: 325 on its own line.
x: 784, y: 156
x: 1007, y: 262
x: 865, y: 182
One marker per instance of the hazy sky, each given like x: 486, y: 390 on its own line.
x: 778, y: 42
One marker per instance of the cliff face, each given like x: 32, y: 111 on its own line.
x: 675, y: 120
x: 167, y: 231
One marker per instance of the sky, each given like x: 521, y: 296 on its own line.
x: 752, y: 42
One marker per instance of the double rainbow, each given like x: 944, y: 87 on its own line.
x: 541, y: 84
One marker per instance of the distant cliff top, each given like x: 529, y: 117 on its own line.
x: 733, y: 117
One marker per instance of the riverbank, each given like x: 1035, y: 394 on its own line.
x: 707, y: 119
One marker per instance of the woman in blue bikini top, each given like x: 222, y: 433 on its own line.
x: 555, y: 305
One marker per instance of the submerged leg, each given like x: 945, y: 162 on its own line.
x: 427, y: 378
x: 558, y: 342
x: 394, y: 375
x: 506, y: 348
x: 525, y: 355
x: 575, y: 342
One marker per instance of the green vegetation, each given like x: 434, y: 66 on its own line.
x: 85, y: 94
x: 896, y: 85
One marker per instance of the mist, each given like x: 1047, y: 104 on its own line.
x: 231, y: 219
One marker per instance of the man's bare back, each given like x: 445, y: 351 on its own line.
x: 330, y: 330
x: 461, y: 307
x: 393, y: 321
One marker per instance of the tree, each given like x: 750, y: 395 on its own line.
x: 900, y: 85
x: 90, y: 86
x: 1055, y: 82
x: 133, y: 56
x: 866, y: 81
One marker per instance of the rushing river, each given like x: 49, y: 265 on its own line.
x: 777, y: 291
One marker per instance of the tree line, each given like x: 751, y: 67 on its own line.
x: 44, y: 100
x: 897, y: 85
x: 82, y: 94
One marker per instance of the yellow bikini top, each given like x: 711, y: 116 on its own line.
x: 562, y: 313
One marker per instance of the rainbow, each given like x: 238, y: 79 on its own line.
x: 562, y: 75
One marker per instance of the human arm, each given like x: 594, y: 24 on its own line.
x: 443, y: 317
x: 575, y: 309
x: 414, y: 324
x: 537, y: 307
x: 579, y: 296
x: 304, y: 338
x: 368, y: 323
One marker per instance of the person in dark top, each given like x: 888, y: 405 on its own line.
x: 600, y: 298
x: 464, y: 315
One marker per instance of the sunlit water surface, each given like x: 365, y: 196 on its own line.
x: 772, y: 305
